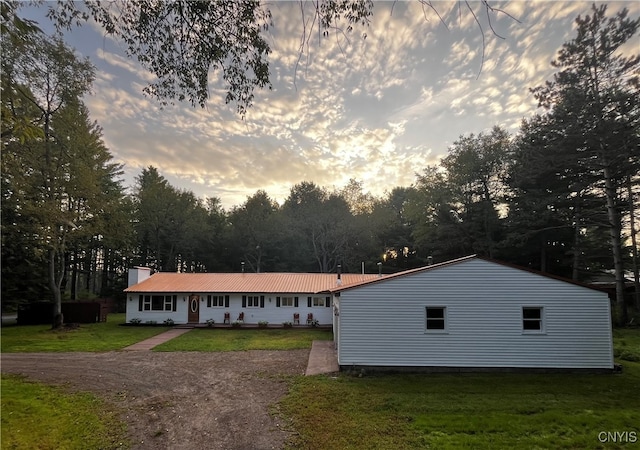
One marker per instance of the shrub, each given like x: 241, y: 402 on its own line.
x: 135, y: 321
x: 151, y: 322
x: 210, y: 322
x: 236, y: 324
x: 287, y: 324
x: 263, y: 324
x: 169, y: 322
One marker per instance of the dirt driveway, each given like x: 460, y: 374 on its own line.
x: 180, y: 400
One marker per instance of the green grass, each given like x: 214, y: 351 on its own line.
x: 95, y: 337
x: 227, y: 340
x: 626, y: 344
x: 36, y: 416
x: 451, y: 411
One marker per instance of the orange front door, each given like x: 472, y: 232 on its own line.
x: 194, y: 309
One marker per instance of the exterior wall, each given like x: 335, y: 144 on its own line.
x: 252, y: 315
x: 384, y: 324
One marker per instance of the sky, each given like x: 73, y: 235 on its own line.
x: 377, y: 109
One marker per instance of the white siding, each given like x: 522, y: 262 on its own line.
x: 271, y: 313
x: 383, y: 324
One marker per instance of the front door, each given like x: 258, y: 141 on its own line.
x: 194, y: 309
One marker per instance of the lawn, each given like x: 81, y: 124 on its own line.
x: 95, y: 337
x: 400, y: 411
x: 37, y: 416
x: 229, y: 339
x: 626, y: 344
x: 469, y: 410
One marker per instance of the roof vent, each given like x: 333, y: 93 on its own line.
x: 339, y: 280
x: 242, y: 265
x: 379, y: 269
x: 429, y: 260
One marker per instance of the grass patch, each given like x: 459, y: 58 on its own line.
x: 37, y: 416
x: 228, y: 340
x: 451, y: 411
x: 626, y: 344
x: 94, y: 337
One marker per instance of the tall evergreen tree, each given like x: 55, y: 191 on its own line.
x: 48, y: 76
x: 593, y: 103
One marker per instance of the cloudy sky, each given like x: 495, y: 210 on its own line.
x: 378, y: 109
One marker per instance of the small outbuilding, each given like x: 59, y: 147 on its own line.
x: 472, y: 314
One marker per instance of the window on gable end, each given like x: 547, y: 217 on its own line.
x: 436, y: 318
x: 532, y: 319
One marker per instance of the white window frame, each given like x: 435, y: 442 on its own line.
x: 253, y: 301
x: 217, y: 301
x: 445, y: 327
x: 287, y: 302
x: 540, y: 320
x: 319, y: 301
x: 167, y: 303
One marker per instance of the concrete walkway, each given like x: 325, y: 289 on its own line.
x: 158, y: 339
x: 322, y: 358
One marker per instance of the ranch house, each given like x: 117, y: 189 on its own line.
x: 466, y: 314
x: 276, y: 298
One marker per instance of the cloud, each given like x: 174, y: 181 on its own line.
x: 378, y: 109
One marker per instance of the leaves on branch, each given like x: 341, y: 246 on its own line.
x: 184, y: 42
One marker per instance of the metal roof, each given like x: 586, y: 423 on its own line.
x: 277, y: 283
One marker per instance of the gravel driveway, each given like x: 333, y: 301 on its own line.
x: 179, y: 400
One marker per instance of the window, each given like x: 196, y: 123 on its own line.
x: 214, y: 301
x: 253, y: 302
x: 436, y: 318
x: 286, y: 301
x: 157, y: 303
x: 531, y: 319
x: 318, y: 301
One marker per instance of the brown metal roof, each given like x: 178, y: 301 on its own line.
x: 283, y: 283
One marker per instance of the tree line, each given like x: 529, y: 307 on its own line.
x: 558, y: 196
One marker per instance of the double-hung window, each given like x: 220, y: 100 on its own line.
x: 319, y: 301
x: 253, y: 301
x: 286, y: 301
x: 532, y: 319
x: 436, y: 318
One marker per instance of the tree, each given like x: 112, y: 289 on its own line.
x: 394, y: 229
x: 321, y: 226
x: 438, y: 229
x: 476, y: 168
x: 254, y: 231
x: 171, y: 225
x: 593, y: 103
x: 47, y: 76
x: 182, y: 42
